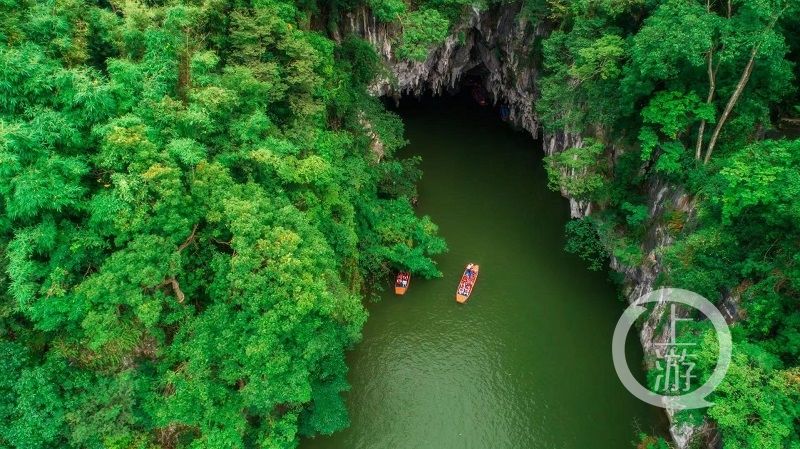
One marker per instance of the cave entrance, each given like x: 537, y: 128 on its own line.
x: 469, y: 96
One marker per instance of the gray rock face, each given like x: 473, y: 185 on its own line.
x: 503, y: 45
x: 496, y: 40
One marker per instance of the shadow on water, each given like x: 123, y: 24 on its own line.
x: 527, y: 362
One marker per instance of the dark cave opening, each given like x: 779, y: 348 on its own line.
x: 470, y: 91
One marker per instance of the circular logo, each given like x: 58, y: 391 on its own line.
x: 675, y: 371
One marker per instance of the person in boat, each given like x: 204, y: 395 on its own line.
x: 402, y: 280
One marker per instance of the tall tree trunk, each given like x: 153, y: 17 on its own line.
x: 734, y: 98
x: 712, y: 87
x: 748, y: 70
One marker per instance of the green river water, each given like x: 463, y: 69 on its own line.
x: 526, y: 363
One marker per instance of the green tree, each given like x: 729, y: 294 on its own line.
x: 191, y: 216
x: 421, y: 30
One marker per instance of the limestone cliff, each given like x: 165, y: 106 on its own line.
x: 495, y: 40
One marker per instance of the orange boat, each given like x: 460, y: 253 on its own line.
x: 467, y: 283
x: 402, y: 282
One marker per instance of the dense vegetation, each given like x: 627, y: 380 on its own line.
x: 193, y: 208
x: 194, y: 203
x: 695, y: 94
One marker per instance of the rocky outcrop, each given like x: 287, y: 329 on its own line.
x: 555, y: 143
x: 501, y: 45
x: 497, y: 41
x: 641, y: 279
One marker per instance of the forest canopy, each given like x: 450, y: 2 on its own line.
x: 192, y: 213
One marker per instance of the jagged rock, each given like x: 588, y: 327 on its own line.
x: 555, y: 143
x: 496, y: 39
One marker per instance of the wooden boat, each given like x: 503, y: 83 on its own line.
x: 467, y: 283
x: 402, y: 282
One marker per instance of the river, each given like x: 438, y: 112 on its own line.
x: 526, y: 363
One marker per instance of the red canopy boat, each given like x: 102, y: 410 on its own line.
x: 467, y: 283
x: 402, y: 282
